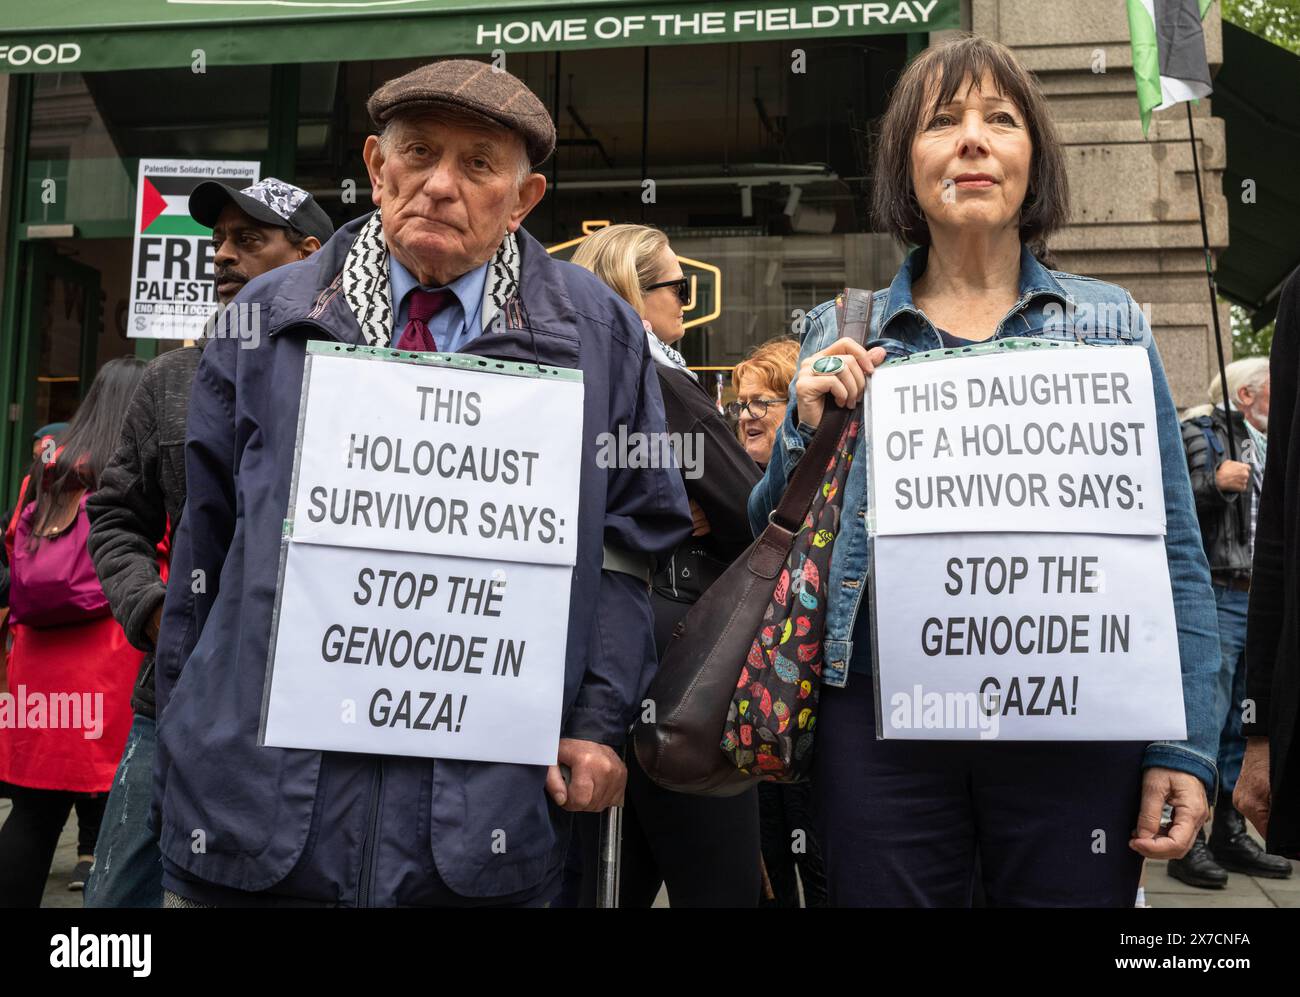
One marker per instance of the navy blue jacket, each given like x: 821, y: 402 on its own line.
x: 334, y: 827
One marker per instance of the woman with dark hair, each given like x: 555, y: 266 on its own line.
x: 70, y: 668
x: 970, y: 171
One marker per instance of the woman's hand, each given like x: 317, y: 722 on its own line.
x: 845, y: 385
x: 1186, y: 795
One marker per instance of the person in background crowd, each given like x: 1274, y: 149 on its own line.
x: 89, y: 807
x: 443, y: 264
x: 786, y: 819
x: 1227, y: 502
x: 142, y: 491
x: 44, y: 441
x: 1268, y: 790
x: 705, y: 849
x: 970, y: 170
x: 51, y: 432
x: 47, y: 438
x: 762, y: 383
x: 66, y: 647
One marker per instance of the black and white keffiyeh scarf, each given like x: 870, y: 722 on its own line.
x: 664, y: 354
x: 366, y: 290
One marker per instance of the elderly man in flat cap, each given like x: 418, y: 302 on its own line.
x: 443, y: 265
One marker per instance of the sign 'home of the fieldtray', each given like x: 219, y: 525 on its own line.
x: 1019, y: 580
x: 427, y: 560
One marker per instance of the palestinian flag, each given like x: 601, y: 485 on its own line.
x: 1169, y: 60
x: 165, y: 206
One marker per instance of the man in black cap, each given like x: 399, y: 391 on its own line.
x: 257, y: 228
x: 142, y: 493
x: 443, y: 265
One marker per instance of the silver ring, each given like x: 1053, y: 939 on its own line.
x: 828, y: 365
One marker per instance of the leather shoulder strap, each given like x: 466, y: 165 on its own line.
x: 853, y: 319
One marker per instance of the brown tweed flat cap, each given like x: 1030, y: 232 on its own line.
x: 473, y: 87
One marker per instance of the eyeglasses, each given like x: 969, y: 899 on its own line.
x: 682, y: 286
x: 756, y: 407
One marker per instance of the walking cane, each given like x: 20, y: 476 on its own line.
x: 611, y: 856
x: 611, y: 852
x: 610, y: 849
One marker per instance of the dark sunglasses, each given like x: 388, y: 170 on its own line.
x: 682, y: 286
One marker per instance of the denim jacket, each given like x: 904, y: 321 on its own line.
x: 1052, y: 305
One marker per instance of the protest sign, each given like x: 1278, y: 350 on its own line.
x: 416, y: 654
x: 1050, y: 439
x: 439, y: 459
x: 1037, y: 636
x: 172, y: 290
x: 423, y: 602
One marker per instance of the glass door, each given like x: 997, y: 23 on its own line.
x: 62, y: 321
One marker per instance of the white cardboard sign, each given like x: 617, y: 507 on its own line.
x: 411, y: 654
x: 1053, y: 637
x: 439, y: 460
x: 423, y: 604
x: 1053, y: 440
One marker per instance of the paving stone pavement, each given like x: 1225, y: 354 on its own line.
x: 1161, y: 889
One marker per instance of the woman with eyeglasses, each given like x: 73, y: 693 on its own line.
x: 706, y: 850
x: 762, y: 381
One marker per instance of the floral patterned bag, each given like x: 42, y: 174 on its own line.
x: 742, y: 627
x: 769, y: 730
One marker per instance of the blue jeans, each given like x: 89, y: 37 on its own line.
x: 1231, y: 607
x: 128, y: 864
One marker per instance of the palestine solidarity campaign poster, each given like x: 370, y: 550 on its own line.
x: 172, y: 289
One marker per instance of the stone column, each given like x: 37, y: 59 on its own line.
x: 1134, y: 220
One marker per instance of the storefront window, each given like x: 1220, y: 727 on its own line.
x: 88, y: 133
x: 754, y: 157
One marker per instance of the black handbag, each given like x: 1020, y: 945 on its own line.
x: 680, y: 742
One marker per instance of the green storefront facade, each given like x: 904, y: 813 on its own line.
x: 754, y: 119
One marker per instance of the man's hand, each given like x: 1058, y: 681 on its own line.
x: 1186, y: 794
x: 1232, y: 476
x: 597, y: 776
x: 1253, y: 795
x: 155, y: 624
x: 699, y: 521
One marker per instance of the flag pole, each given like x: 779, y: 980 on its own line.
x: 1214, y: 292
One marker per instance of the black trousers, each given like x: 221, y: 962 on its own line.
x: 791, y: 841
x: 704, y: 849
x: 90, y: 815
x: 908, y: 823
x: 28, y: 840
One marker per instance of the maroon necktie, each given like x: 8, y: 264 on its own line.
x: 422, y: 306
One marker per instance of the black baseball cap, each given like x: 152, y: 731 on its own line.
x: 270, y: 201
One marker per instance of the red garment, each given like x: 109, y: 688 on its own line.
x: 91, y: 658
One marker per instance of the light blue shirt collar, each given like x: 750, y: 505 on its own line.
x: 457, y: 323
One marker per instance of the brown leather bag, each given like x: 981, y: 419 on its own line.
x: 692, y: 690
